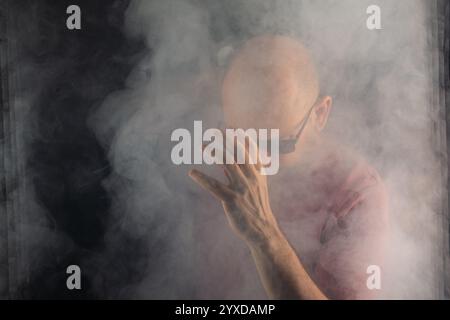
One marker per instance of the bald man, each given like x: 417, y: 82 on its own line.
x: 325, y: 223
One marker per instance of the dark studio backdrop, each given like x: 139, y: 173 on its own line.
x: 64, y: 162
x: 52, y: 79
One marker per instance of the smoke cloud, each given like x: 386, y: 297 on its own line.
x: 381, y: 84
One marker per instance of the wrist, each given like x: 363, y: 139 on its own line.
x: 272, y: 241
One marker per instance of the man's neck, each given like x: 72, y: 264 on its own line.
x: 311, y: 156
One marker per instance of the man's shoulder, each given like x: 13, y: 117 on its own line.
x: 361, y: 185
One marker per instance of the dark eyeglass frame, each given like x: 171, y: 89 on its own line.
x: 288, y: 145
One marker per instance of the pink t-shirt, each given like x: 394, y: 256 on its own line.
x: 337, y: 225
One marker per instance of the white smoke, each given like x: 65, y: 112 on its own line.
x: 381, y: 84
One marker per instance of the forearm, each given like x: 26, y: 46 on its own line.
x: 281, y: 272
x: 246, y: 203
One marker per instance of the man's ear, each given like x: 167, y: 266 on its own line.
x: 321, y: 112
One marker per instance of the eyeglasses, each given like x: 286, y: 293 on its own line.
x: 287, y: 145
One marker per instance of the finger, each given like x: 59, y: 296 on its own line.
x: 216, y: 188
x: 244, y: 167
x: 227, y: 175
x: 250, y: 151
x: 231, y: 169
x: 254, y: 153
x: 236, y: 175
x: 232, y: 172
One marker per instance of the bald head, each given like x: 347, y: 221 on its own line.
x: 270, y: 83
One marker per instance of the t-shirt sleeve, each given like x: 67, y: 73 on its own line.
x: 353, y: 239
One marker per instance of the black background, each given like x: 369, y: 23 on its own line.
x: 65, y: 163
